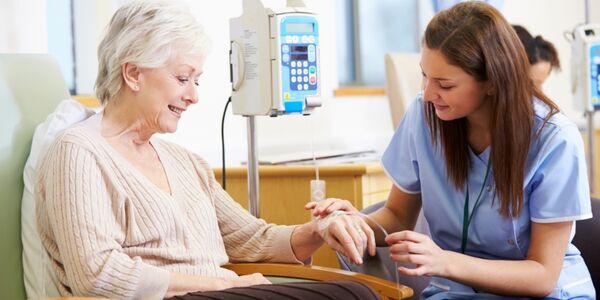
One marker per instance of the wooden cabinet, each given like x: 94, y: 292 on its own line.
x: 284, y: 190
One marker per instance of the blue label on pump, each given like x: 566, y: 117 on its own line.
x: 595, y: 76
x: 299, y: 39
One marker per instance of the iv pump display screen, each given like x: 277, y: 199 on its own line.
x: 299, y: 27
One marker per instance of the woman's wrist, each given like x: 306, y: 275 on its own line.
x: 181, y: 284
x: 305, y: 240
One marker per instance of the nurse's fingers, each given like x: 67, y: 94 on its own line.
x: 406, y: 235
x: 419, y: 271
x: 329, y: 205
x: 310, y: 205
x: 415, y: 259
x: 407, y: 247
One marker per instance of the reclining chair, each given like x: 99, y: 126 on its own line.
x: 31, y: 86
x: 586, y: 240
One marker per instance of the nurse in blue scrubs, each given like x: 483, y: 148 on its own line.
x: 499, y: 172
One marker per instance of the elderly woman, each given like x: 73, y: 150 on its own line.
x: 123, y: 214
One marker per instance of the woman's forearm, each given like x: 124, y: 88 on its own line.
x: 506, y: 277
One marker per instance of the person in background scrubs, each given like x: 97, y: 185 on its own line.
x: 499, y: 172
x: 542, y: 55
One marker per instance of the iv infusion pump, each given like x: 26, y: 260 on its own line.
x: 274, y: 60
x: 586, y: 67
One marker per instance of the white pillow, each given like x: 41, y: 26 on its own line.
x: 38, y: 275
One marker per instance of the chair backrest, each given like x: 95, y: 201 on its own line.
x: 586, y: 240
x: 402, y: 82
x: 31, y: 85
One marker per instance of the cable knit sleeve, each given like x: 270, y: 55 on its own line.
x: 246, y: 238
x: 78, y: 215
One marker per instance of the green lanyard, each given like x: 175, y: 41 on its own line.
x: 466, y: 217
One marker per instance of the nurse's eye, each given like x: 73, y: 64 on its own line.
x: 183, y: 80
x: 196, y: 82
x: 446, y: 85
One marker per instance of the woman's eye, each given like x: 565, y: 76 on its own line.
x: 183, y: 79
x: 196, y: 83
x: 443, y: 87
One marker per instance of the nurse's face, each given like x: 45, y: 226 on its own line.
x: 453, y: 92
x: 167, y: 92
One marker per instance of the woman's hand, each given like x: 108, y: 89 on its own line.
x: 347, y: 234
x: 248, y: 280
x: 418, y: 249
x: 181, y: 284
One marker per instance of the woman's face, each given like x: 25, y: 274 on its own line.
x: 539, y: 72
x: 166, y: 93
x: 453, y: 92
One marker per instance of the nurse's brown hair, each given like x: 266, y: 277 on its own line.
x: 475, y: 37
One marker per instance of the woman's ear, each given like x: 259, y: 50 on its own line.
x: 131, y: 76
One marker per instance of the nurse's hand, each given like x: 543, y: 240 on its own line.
x: 325, y: 207
x: 418, y: 249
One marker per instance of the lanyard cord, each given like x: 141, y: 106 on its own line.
x: 466, y: 217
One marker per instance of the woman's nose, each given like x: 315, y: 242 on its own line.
x: 191, y: 94
x: 429, y: 92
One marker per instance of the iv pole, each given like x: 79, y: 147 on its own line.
x: 590, y: 122
x: 253, y: 187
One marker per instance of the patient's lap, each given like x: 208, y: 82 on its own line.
x: 339, y: 289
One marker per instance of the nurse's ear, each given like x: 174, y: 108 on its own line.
x: 131, y: 76
x: 490, y: 90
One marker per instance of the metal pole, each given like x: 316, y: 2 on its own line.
x: 587, y: 11
x: 253, y: 196
x: 591, y: 144
x: 590, y: 121
x: 358, y: 78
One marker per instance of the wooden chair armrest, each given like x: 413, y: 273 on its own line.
x: 74, y: 298
x: 384, y: 288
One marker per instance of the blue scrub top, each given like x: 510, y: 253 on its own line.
x: 556, y: 190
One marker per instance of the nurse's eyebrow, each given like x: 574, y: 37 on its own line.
x: 436, y: 78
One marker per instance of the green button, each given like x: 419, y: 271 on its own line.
x: 312, y: 70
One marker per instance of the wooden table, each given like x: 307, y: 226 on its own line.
x: 284, y: 190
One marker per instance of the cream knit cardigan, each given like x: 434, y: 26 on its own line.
x: 112, y: 233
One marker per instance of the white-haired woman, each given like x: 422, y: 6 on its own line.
x: 123, y: 214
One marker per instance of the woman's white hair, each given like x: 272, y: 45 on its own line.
x: 147, y: 34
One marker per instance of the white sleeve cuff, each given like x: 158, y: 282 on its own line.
x: 281, y: 247
x: 154, y: 282
x: 561, y: 219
